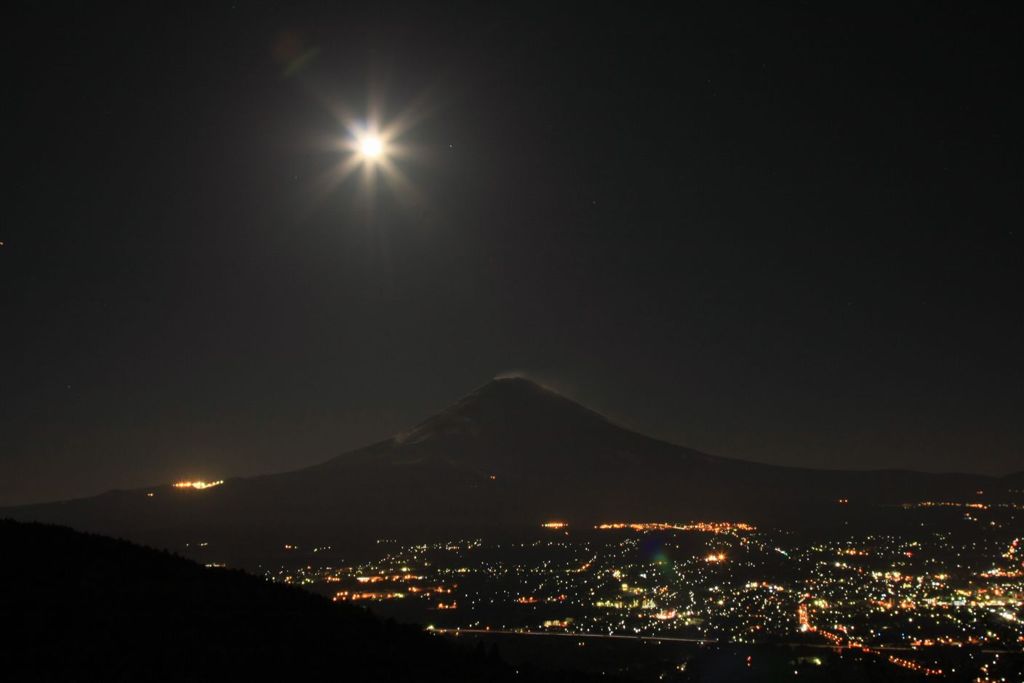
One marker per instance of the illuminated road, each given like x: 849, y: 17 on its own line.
x: 671, y: 639
x: 491, y: 631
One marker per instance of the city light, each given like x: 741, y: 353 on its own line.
x: 198, y: 485
x: 896, y: 599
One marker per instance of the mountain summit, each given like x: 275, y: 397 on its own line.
x: 509, y: 454
x: 524, y: 433
x: 509, y: 405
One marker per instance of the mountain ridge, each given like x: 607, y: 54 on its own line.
x: 509, y: 454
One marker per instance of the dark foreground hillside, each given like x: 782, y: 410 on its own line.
x: 84, y: 607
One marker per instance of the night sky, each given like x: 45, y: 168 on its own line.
x: 784, y: 233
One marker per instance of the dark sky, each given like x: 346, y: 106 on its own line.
x: 786, y: 233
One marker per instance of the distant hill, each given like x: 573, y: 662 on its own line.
x: 79, y: 607
x: 510, y: 454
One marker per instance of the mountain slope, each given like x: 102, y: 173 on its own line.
x: 84, y: 607
x: 509, y: 454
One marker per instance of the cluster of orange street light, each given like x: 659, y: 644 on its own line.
x: 706, y: 527
x: 803, y: 617
x: 342, y: 596
x: 914, y: 666
x: 376, y: 578
x: 946, y: 504
x: 198, y: 485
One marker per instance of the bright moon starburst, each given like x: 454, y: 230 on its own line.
x: 371, y: 148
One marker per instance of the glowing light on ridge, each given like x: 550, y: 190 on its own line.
x: 198, y: 485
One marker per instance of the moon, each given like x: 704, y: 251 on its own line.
x: 371, y: 148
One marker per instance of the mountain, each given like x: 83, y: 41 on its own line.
x: 512, y: 454
x: 85, y: 607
